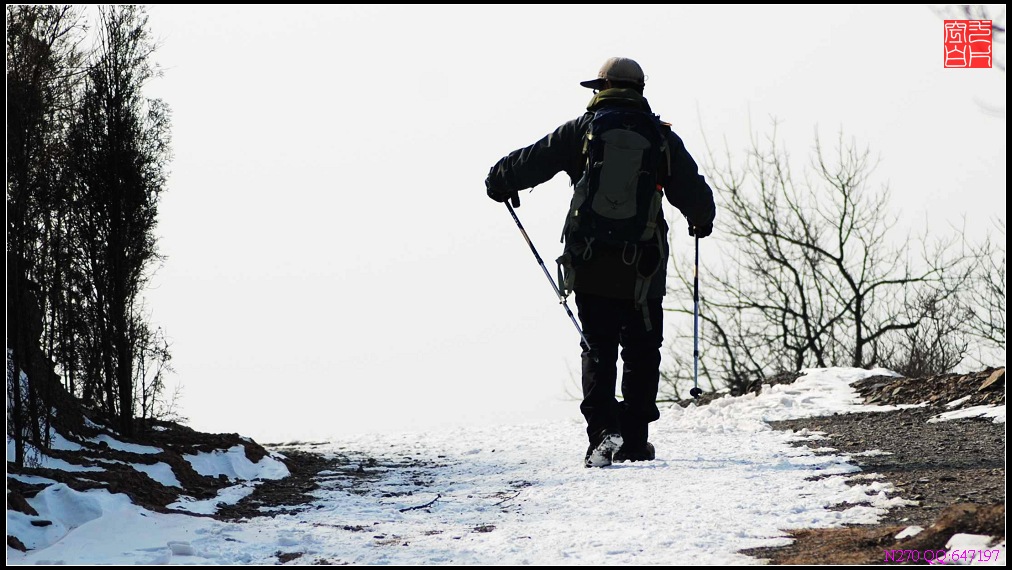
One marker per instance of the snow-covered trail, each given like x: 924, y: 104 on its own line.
x: 723, y: 481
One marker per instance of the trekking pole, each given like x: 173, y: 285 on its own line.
x: 562, y: 300
x: 695, y: 391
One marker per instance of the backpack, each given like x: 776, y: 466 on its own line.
x: 617, y: 201
x: 618, y: 198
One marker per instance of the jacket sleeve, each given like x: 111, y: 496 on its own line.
x: 685, y: 188
x: 527, y: 167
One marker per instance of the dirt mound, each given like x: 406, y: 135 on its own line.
x: 986, y: 387
x: 93, y: 446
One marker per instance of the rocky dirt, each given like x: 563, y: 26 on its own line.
x: 953, y: 472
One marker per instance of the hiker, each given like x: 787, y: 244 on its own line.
x: 621, y: 159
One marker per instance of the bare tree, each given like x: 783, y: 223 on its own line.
x: 153, y: 364
x: 986, y: 295
x: 42, y: 65
x: 938, y: 344
x: 813, y: 274
x: 984, y: 301
x: 120, y: 152
x: 86, y: 156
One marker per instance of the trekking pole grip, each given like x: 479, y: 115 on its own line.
x: 515, y: 200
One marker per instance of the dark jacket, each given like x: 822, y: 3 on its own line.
x: 562, y: 150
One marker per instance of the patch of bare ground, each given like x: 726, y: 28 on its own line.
x: 952, y: 473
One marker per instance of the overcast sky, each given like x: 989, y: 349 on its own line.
x: 333, y: 264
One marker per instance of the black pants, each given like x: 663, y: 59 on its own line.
x: 607, y: 324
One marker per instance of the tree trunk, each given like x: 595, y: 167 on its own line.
x: 16, y: 421
x: 858, y: 361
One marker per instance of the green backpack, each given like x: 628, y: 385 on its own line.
x: 618, y: 199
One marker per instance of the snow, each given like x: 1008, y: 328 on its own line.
x: 996, y: 412
x: 61, y: 443
x: 872, y: 453
x: 10, y: 449
x: 227, y: 496
x: 723, y: 480
x: 160, y: 472
x: 30, y: 479
x: 235, y: 465
x: 978, y: 550
x: 54, y: 463
x: 66, y: 509
x: 122, y: 446
x: 958, y: 401
x: 912, y: 530
x: 57, y: 441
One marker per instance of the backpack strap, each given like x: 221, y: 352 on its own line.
x: 567, y: 269
x: 642, y: 288
x: 588, y: 135
x: 640, y: 297
x: 664, y: 129
x: 664, y: 168
x: 635, y: 254
x: 650, y: 229
x: 566, y: 276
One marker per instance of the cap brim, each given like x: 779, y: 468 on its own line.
x: 593, y: 83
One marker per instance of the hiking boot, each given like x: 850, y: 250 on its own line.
x: 600, y: 455
x: 627, y: 453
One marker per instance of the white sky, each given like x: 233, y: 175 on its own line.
x: 722, y: 481
x: 334, y: 265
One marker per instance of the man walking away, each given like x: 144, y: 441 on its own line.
x: 621, y: 160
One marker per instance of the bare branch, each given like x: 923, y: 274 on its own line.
x: 810, y: 275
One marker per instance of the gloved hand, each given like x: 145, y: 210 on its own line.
x: 496, y: 191
x: 700, y: 231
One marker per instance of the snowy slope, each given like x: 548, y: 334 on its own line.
x: 723, y: 481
